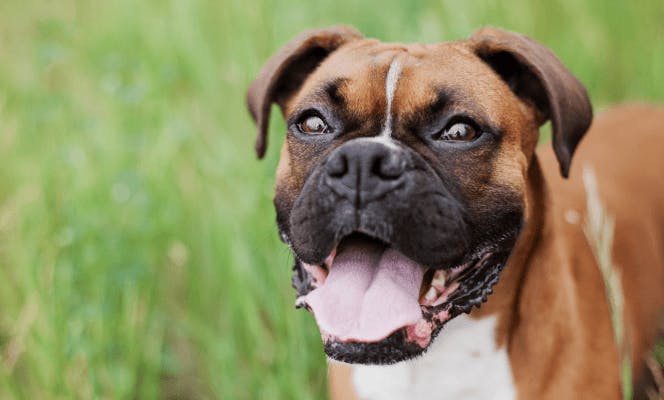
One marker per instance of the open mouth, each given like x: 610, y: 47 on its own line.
x: 375, y: 305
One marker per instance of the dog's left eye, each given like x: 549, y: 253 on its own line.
x: 313, y: 125
x: 459, y: 131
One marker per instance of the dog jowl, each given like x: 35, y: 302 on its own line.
x: 401, y: 184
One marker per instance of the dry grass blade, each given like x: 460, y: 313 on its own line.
x: 657, y: 391
x: 599, y: 229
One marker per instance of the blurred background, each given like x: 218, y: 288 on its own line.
x: 138, y: 252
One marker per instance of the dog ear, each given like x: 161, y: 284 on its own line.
x: 536, y: 75
x: 284, y: 73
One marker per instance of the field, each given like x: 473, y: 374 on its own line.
x: 138, y: 252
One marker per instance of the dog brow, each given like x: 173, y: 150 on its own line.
x: 449, y: 100
x: 332, y: 87
x: 444, y: 97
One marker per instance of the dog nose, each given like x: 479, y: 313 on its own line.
x: 363, y: 170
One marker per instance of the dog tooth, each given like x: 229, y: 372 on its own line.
x: 439, y: 279
x: 299, y: 302
x: 431, y: 294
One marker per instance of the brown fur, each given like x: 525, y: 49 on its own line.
x: 551, y: 301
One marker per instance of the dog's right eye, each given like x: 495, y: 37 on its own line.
x: 313, y: 125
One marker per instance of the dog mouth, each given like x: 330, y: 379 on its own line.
x: 375, y: 305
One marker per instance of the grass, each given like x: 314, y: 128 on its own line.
x: 138, y: 253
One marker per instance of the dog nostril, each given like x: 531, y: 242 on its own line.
x: 388, y: 167
x: 337, y: 166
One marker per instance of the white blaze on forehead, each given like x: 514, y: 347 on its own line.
x: 393, y: 75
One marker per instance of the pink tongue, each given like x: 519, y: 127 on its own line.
x: 369, y: 293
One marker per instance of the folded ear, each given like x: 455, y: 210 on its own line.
x: 536, y: 75
x: 284, y: 73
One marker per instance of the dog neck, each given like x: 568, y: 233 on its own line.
x: 503, y: 302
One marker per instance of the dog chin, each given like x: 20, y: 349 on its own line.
x: 374, y: 305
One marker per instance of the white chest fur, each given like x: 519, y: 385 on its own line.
x: 462, y: 363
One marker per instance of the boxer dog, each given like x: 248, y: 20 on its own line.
x: 411, y: 192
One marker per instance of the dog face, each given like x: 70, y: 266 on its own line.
x: 401, y: 185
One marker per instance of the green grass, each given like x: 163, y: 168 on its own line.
x: 138, y: 253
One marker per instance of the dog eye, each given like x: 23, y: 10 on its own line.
x: 313, y: 125
x: 459, y: 131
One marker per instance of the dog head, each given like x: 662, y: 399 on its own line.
x: 401, y: 184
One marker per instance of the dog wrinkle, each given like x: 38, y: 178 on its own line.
x: 284, y: 166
